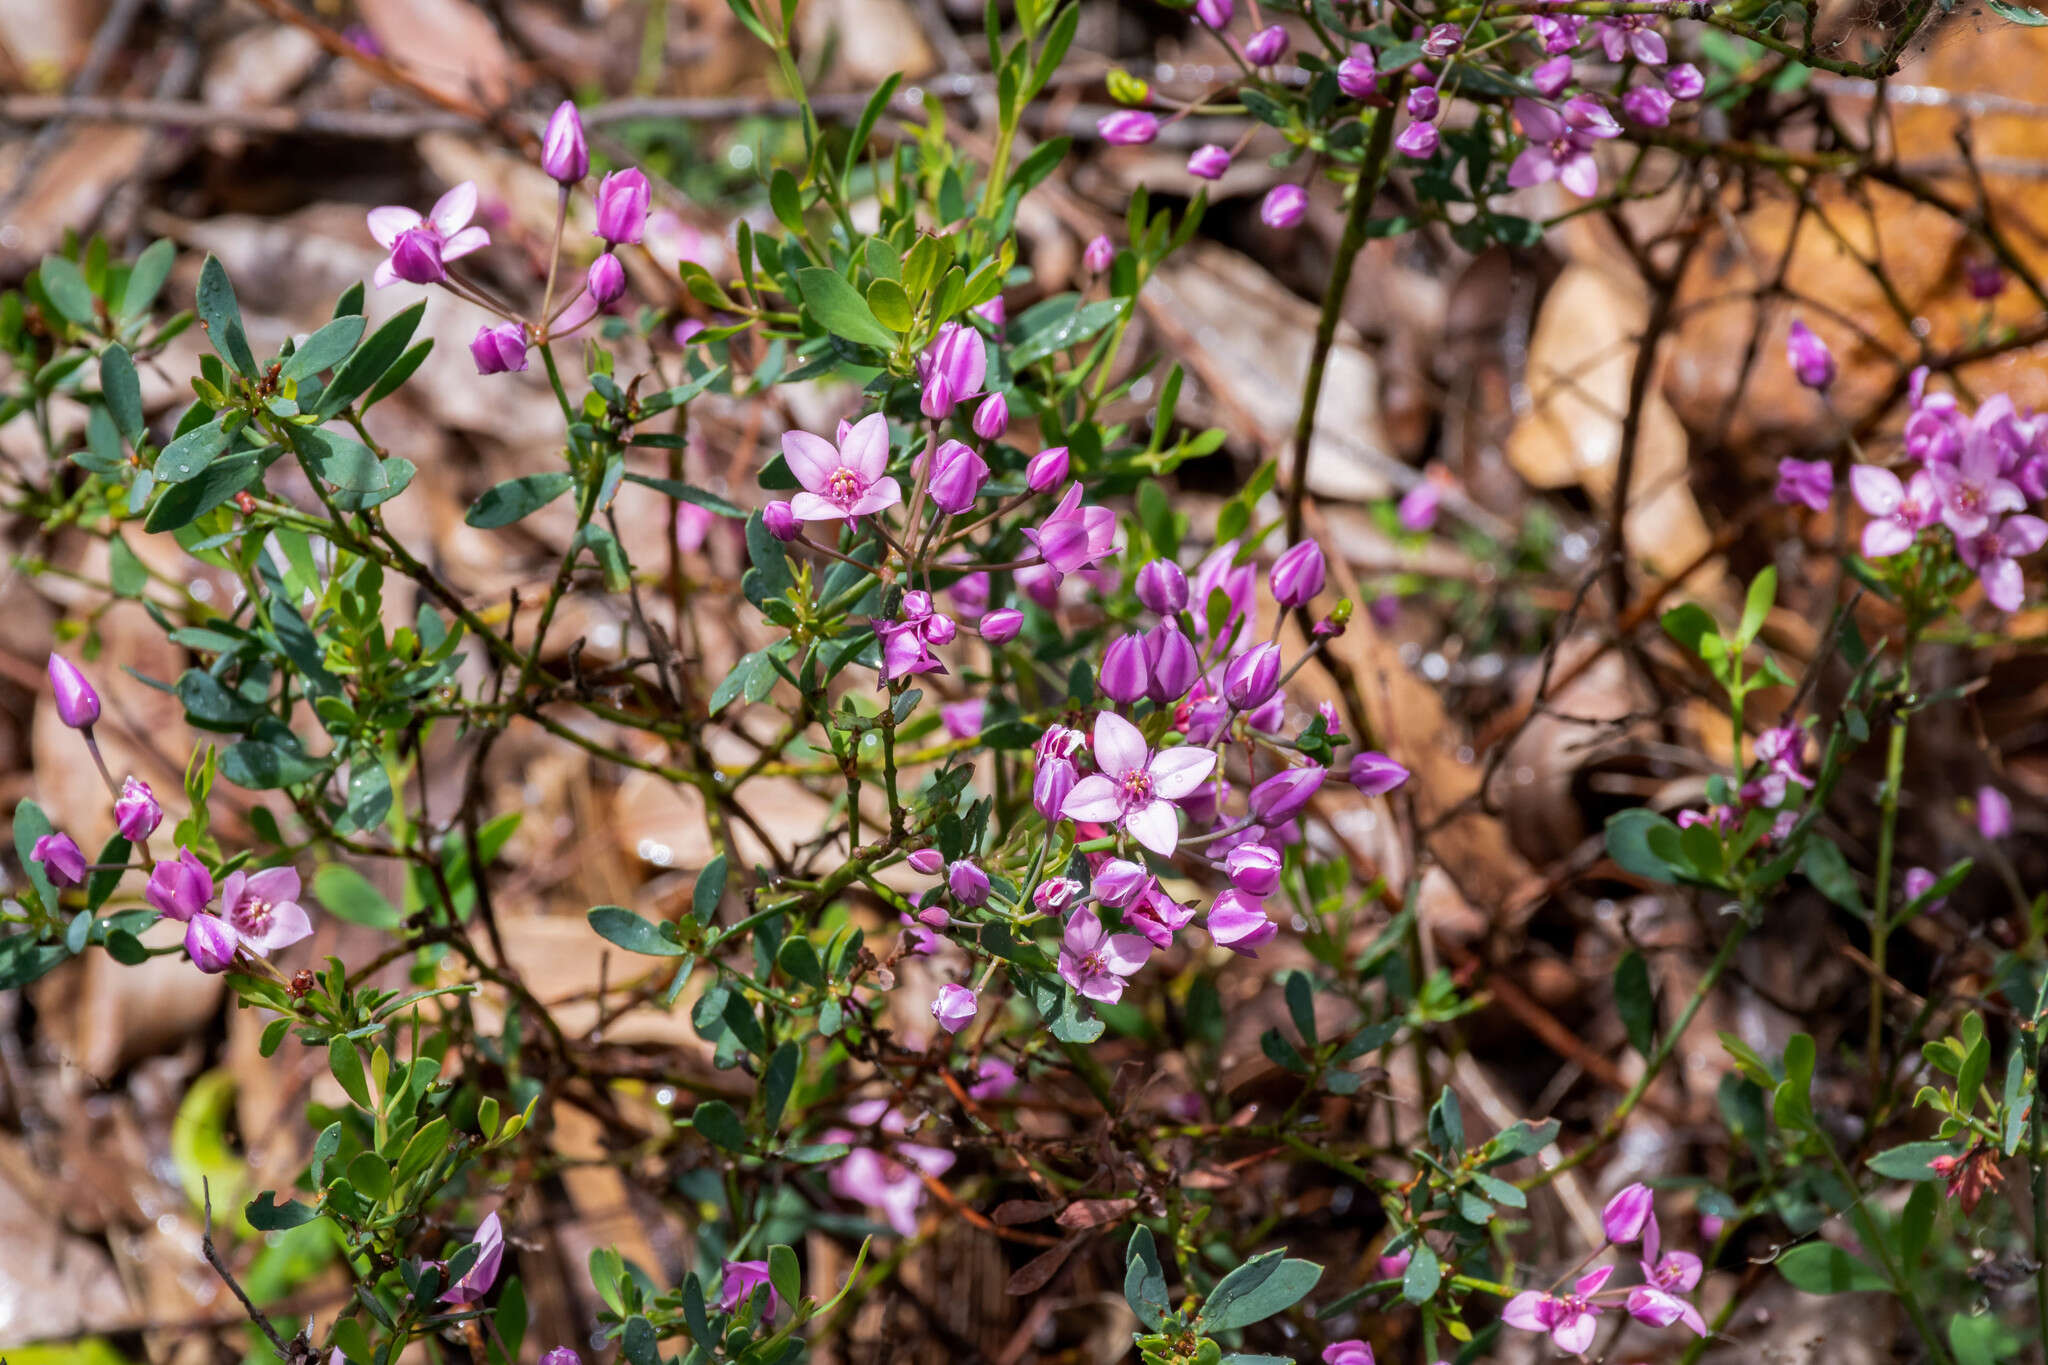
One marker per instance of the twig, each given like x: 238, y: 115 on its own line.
x: 284, y: 1352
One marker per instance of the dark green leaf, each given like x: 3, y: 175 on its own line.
x: 1824, y: 1268
x: 1635, y: 1002
x: 517, y: 498
x: 1145, y: 1280
x: 267, y: 1215
x: 187, y: 456
x: 839, y: 309
x: 371, y: 360
x: 181, y: 504
x: 122, y: 389
x: 324, y: 349
x: 616, y: 924
x: 221, y: 318
x: 720, y: 1126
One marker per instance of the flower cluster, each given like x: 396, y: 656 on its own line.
x: 1571, y: 1316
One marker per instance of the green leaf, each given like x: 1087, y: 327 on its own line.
x: 799, y: 961
x: 1910, y: 1160
x: 891, y: 305
x: 709, y: 890
x: 1424, y: 1273
x: 347, y: 1065
x: 371, y: 360
x: 1635, y: 1002
x: 839, y: 309
x: 516, y: 498
x: 220, y: 316
x: 1301, y: 1006
x: 1830, y: 874
x: 684, y: 492
x: 777, y: 1080
x: 1145, y: 1280
x: 347, y: 894
x: 1287, y: 1285
x: 341, y: 460
x: 720, y: 1126
x: 371, y: 1174
x: 616, y: 924
x: 259, y: 766
x: 324, y: 349
x: 1689, y: 624
x: 122, y: 389
x: 67, y: 288
x: 30, y: 824
x: 1756, y: 605
x: 1824, y: 1268
x: 190, y: 454
x: 2028, y: 16
x: 1064, y: 332
x: 265, y: 1214
x: 146, y: 278
x: 785, y: 1275
x: 1628, y: 842
x: 181, y: 504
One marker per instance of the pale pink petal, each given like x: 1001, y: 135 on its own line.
x: 1877, y: 491
x: 288, y: 924
x: 384, y: 274
x: 453, y: 210
x: 1885, y: 537
x: 1580, y: 175
x: 1683, y: 1268
x: 1590, y: 1282
x: 811, y: 507
x: 811, y: 458
x: 2004, y: 586
x: 462, y: 243
x: 2023, y: 535
x: 1124, y: 954
x: 388, y: 222
x: 866, y: 449
x: 930, y: 1160
x: 1530, y: 1311
x: 1104, y: 987
x: 1539, y: 121
x: 1094, y: 798
x: 1154, y: 825
x: 1119, y: 748
x: 274, y: 884
x: 1532, y: 167
x: 1575, y: 1334
x: 1176, y: 772
x: 884, y: 492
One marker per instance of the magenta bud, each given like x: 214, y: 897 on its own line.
x: 1240, y: 923
x: 1163, y: 587
x: 561, y: 1355
x: 63, y: 861
x: 1811, y: 360
x: 1684, y: 81
x: 1253, y: 869
x: 1098, y: 255
x: 1055, y: 894
x: 1283, y: 207
x: 416, y: 257
x: 1000, y: 626
x: 498, y: 349
x: 1208, y: 162
x: 954, y: 1007
x: 1127, y: 127
x: 564, y: 153
x: 928, y: 861
x: 622, y: 206
x: 210, y: 943
x: 1551, y: 77
x: 968, y: 883
x: 1123, y: 669
x: 1298, y: 574
x: 1418, y: 141
x: 1443, y: 40
x: 1419, y: 506
x: 957, y: 476
x: 1120, y: 882
x: 781, y: 520
x: 993, y: 312
x: 136, y: 813
x: 1375, y: 774
x: 1358, y: 75
x: 1170, y: 663
x: 992, y: 418
x: 78, y: 706
x: 606, y: 280
x: 1627, y: 1214
x: 179, y: 887
x: 1986, y: 281
x: 1047, y: 469
x: 1252, y: 677
x: 1266, y: 46
x: 1050, y: 786
x: 1215, y: 13
x: 933, y: 916
x: 1422, y: 102
x: 1994, y: 813
x: 1284, y: 794
x: 938, y: 629
x: 957, y: 355
x: 1647, y: 105
x: 936, y: 399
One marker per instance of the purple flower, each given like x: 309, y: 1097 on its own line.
x: 1284, y: 794
x: 1422, y: 102
x: 1219, y: 572
x: 1252, y: 677
x: 693, y: 526
x: 1994, y: 812
x: 1443, y: 40
x: 78, y: 706
x: 1098, y: 254
x: 179, y: 887
x: 1665, y: 1277
x: 962, y: 719
x: 1073, y: 537
x: 422, y: 247
x: 951, y: 369
x: 992, y: 418
x: 1684, y: 81
x: 1001, y: 625
x: 926, y: 860
x: 1136, y: 788
x: 1215, y: 13
x: 1358, y: 74
x: 1095, y: 962
x: 263, y: 909
x: 997, y: 1079
x: 780, y: 520
x: 1283, y: 206
x: 483, y: 1272
x: 1560, y: 146
x: 1123, y: 669
x: 1627, y: 1214
x: 1418, y: 141
x: 136, y: 813
x: 1208, y: 162
x: 1551, y: 77
x: 1986, y: 278
x: 210, y: 943
x: 1119, y: 882
x: 1239, y: 922
x: 564, y: 154
x: 954, y: 1007
x: 968, y: 883
x: 1297, y: 574
x: 1993, y: 556
x: 1266, y: 46
x: 1631, y: 35
x: 994, y: 313
x: 1353, y: 1352
x: 1569, y: 1318
x: 1055, y: 894
x: 890, y: 1181
x: 606, y: 279
x: 498, y: 349
x: 906, y: 649
x: 1046, y: 469
x: 1647, y: 105
x: 1393, y: 1267
x: 1127, y: 127
x: 957, y: 476
x: 1418, y: 509
x: 1811, y: 360
x: 1805, y: 482
x: 1898, y: 512
x: 1253, y: 868
x: 560, y: 1355
x: 1171, y: 666
x: 737, y: 1282
x: 1973, y: 489
x: 1162, y: 587
x: 622, y: 206
x: 1560, y: 33
x: 848, y: 481
x: 63, y: 861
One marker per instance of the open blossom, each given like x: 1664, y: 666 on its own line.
x: 847, y: 481
x: 1656, y: 1301
x: 1073, y: 537
x: 1631, y: 35
x: 738, y: 1281
x: 263, y: 909
x: 1560, y: 145
x: 1136, y: 787
x: 1994, y: 555
x: 1973, y: 489
x: 422, y: 247
x: 1571, y: 1319
x: 1095, y: 962
x: 888, y: 1178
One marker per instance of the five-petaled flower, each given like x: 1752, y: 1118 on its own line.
x: 1136, y: 787
x: 1095, y: 962
x: 848, y: 480
x: 422, y: 247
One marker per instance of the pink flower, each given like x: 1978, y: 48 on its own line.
x: 1994, y: 555
x: 483, y: 1272
x: 1558, y: 149
x: 1418, y: 141
x: 739, y: 1281
x: 1073, y: 537
x: 1239, y: 922
x: 997, y: 1079
x: 1353, y: 1352
x: 962, y: 719
x: 263, y: 909
x: 954, y: 1008
x: 1805, y: 482
x: 1898, y: 512
x: 1627, y: 1214
x: 1656, y: 1301
x: 422, y: 247
x: 1136, y: 788
x: 210, y: 943
x: 179, y: 887
x: 1220, y: 572
x: 1631, y: 35
x: 1095, y: 962
x: 1209, y: 162
x: 848, y: 481
x: 1283, y: 207
x: 887, y: 1180
x: 62, y: 859
x: 1098, y: 254
x: 1569, y: 1318
x: 1127, y: 127
x: 1994, y: 812
x: 1973, y: 489
x: 1419, y: 506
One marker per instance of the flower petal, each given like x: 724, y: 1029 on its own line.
x: 1878, y: 491
x: 462, y: 243
x: 1094, y: 798
x: 866, y: 449
x: 1119, y: 748
x: 1156, y: 825
x: 1529, y: 1310
x: 1124, y: 954
x: 1176, y: 772
x: 811, y: 507
x: 884, y: 492
x: 811, y: 458
x: 453, y: 210
x: 387, y: 222
x: 1574, y: 1334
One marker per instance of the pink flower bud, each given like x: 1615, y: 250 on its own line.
x: 1284, y: 794
x: 938, y: 629
x: 499, y: 349
x: 1171, y: 664
x: 136, y: 813
x: 1375, y: 774
x: 564, y: 154
x: 1215, y: 13
x: 1647, y: 105
x: 622, y: 206
x: 1627, y: 1214
x: 1986, y: 280
x: 693, y: 527
x: 1266, y: 46
x: 1419, y: 506
x: 62, y: 860
x: 1055, y: 894
x: 416, y: 257
x: 1098, y: 255
x: 1047, y: 469
x: 1283, y: 207
x: 1001, y: 625
x: 963, y: 719
x: 1551, y: 77
x: 1252, y: 677
x: 1253, y: 869
x: 1684, y: 81
x: 1240, y: 923
x: 781, y: 521
x: 606, y: 280
x: 1422, y: 102
x: 210, y: 943
x: 179, y: 887
x: 1443, y: 40
x: 1418, y: 141
x: 992, y: 418
x: 1395, y: 1266
x: 1119, y: 882
x: 1127, y: 127
x: 927, y: 860
x: 1812, y: 362
x: 1805, y: 482
x: 1208, y: 162
x: 994, y: 313
x: 1123, y: 669
x: 1994, y: 813
x: 968, y: 883
x: 78, y: 706
x: 954, y: 1008
x: 1298, y: 574
x: 1163, y: 587
x: 1050, y: 786
x: 1358, y: 75
x: 957, y: 476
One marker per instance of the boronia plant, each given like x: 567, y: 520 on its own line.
x: 1054, y: 719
